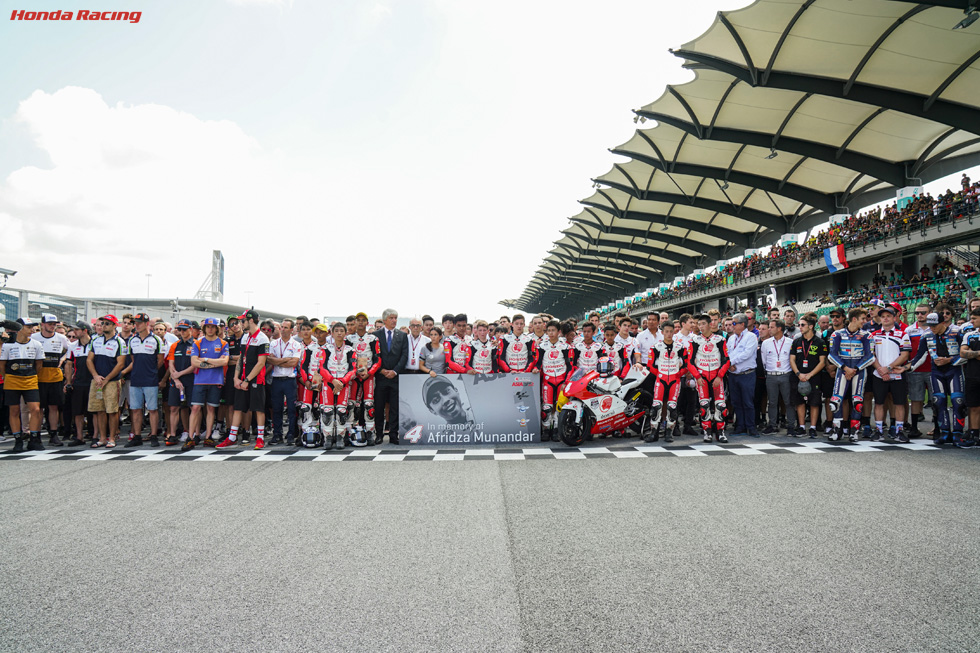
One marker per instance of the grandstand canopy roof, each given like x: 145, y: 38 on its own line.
x: 798, y: 110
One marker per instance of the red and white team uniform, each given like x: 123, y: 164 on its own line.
x: 457, y: 353
x: 309, y: 366
x: 336, y: 363
x: 483, y: 358
x: 556, y: 360
x: 587, y: 356
x: 367, y: 357
x: 709, y: 356
x: 517, y: 354
x: 618, y: 355
x: 668, y: 363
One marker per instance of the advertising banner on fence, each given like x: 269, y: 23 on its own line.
x: 469, y: 409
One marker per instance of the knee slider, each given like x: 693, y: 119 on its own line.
x: 959, y: 400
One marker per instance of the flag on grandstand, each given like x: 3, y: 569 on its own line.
x: 835, y: 259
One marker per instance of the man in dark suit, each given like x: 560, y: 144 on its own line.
x: 394, y: 357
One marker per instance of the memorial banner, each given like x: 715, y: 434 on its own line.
x: 469, y: 409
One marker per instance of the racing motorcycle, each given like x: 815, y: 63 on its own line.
x: 591, y: 404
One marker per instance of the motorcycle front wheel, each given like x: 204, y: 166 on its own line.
x: 571, y: 433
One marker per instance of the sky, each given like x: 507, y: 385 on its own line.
x: 346, y: 154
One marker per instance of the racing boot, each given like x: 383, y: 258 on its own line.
x: 34, y: 443
x: 941, y: 438
x: 854, y: 436
x: 836, y: 434
x: 654, y: 433
x: 706, y: 435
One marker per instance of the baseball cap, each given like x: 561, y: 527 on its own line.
x: 26, y: 322
x: 322, y: 327
x: 250, y: 314
x: 183, y: 324
x: 110, y: 318
x: 213, y: 321
x: 887, y: 308
x: 81, y: 324
x: 195, y: 325
x: 432, y: 384
x: 360, y: 315
x: 141, y: 317
x: 897, y: 307
x: 932, y: 319
x: 837, y: 311
x: 48, y: 318
x: 234, y: 317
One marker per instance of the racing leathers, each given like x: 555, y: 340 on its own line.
x: 517, y: 353
x: 709, y: 355
x: 457, y: 351
x: 336, y: 364
x: 618, y: 355
x: 946, y: 381
x: 556, y: 359
x: 367, y: 358
x: 668, y: 363
x: 853, y: 350
x: 309, y: 366
x: 482, y: 357
x: 587, y: 356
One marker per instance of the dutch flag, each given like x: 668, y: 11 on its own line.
x: 835, y: 259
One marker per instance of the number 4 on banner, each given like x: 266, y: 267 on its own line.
x: 414, y: 434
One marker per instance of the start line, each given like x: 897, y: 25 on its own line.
x: 375, y: 454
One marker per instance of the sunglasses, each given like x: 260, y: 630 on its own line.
x: 921, y: 313
x: 266, y: 330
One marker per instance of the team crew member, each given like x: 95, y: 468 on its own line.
x: 209, y: 358
x: 482, y: 359
x: 457, y: 347
x: 668, y: 363
x: 433, y: 360
x: 337, y: 369
x: 51, y: 379
x: 234, y: 340
x: 892, y: 349
x: 970, y: 352
x: 612, y: 349
x: 21, y: 361
x: 775, y: 359
x: 146, y: 355
x: 709, y: 355
x: 284, y: 356
x: 850, y: 351
x: 250, y: 381
x: 808, y: 360
x: 517, y: 351
x: 646, y: 339
x: 79, y: 379
x: 367, y: 355
x: 105, y: 362
x: 181, y: 384
x: 941, y: 345
x: 918, y: 379
x: 417, y: 339
x: 556, y: 359
x: 743, y: 348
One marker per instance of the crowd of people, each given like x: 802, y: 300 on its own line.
x: 856, y: 231
x: 305, y: 383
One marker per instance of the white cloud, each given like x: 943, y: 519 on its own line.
x: 274, y: 3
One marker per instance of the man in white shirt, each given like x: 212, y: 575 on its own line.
x: 416, y: 345
x: 775, y: 358
x: 647, y: 338
x: 284, y: 355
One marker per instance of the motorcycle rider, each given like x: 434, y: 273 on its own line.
x: 668, y: 363
x: 587, y: 350
x: 942, y: 347
x: 482, y: 359
x: 556, y: 361
x: 851, y: 352
x: 310, y: 381
x: 457, y: 347
x: 616, y: 351
x: 517, y: 351
x: 709, y: 355
x: 367, y: 356
x: 337, y: 368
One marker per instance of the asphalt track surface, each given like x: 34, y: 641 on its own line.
x: 871, y: 552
